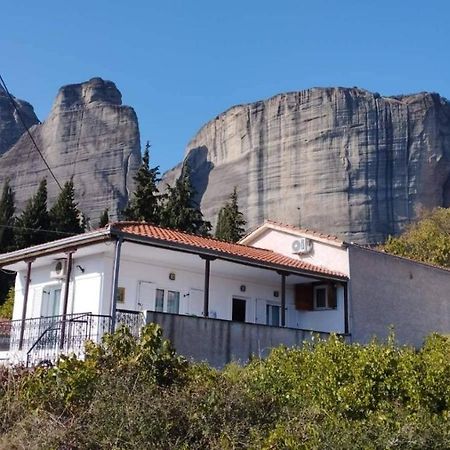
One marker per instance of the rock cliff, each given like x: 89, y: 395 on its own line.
x: 11, y: 127
x: 90, y: 136
x: 339, y: 160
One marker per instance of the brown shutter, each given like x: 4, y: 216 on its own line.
x: 332, y: 296
x: 304, y: 297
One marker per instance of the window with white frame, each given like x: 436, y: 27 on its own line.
x: 167, y: 300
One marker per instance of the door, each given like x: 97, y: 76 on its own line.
x: 167, y: 300
x: 146, y: 296
x: 51, y: 301
x: 272, y: 315
x: 238, y: 312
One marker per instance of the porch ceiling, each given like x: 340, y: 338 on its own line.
x: 174, y: 260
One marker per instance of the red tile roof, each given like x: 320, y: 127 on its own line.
x: 226, y: 248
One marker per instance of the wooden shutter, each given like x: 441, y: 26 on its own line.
x: 332, y: 296
x: 304, y: 294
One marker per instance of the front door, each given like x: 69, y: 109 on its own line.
x: 51, y: 301
x: 146, y: 296
x: 238, y: 312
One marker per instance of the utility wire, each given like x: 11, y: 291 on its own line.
x: 11, y: 99
x: 38, y: 230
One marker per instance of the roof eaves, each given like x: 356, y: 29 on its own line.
x: 52, y: 247
x: 188, y: 248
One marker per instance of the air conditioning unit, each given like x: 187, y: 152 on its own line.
x: 59, y: 269
x: 301, y: 246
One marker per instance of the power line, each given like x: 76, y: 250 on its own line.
x: 27, y: 129
x: 38, y: 230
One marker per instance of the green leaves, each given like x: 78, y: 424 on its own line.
x: 230, y: 221
x: 428, y: 240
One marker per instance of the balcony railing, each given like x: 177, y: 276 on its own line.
x: 44, y: 339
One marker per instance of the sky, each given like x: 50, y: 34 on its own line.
x: 180, y: 63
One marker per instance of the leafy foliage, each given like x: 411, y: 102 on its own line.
x: 428, y: 240
x: 230, y: 222
x: 104, y: 219
x: 145, y: 202
x: 6, y: 309
x: 64, y: 216
x: 180, y: 210
x: 7, y: 219
x: 139, y: 394
x: 34, y: 222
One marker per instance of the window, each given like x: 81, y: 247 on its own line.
x: 121, y: 295
x: 167, y: 301
x: 273, y: 315
x: 324, y: 297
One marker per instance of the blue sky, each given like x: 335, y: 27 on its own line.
x: 180, y: 63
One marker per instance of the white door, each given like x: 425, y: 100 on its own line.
x: 146, y: 296
x: 195, y: 302
x: 51, y: 301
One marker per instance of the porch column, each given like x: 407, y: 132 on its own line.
x: 69, y: 260
x: 283, y: 297
x: 25, y: 301
x: 115, y: 284
x: 208, y: 260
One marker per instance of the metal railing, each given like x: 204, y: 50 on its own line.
x: 43, y: 342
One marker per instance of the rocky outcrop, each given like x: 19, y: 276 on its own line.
x: 90, y: 136
x: 11, y: 128
x: 344, y: 161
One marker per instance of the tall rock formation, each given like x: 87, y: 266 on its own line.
x: 90, y: 136
x: 339, y: 160
x: 11, y: 128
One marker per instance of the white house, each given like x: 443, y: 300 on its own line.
x: 215, y: 300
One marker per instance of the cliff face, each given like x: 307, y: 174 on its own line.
x: 90, y: 136
x: 344, y: 161
x: 11, y: 127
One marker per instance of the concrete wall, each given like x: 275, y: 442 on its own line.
x: 219, y: 341
x: 386, y: 290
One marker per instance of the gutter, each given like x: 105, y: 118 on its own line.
x: 186, y: 248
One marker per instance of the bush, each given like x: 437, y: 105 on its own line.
x: 130, y: 393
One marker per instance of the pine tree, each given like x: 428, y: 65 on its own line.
x: 180, y: 211
x: 7, y: 219
x: 145, y: 203
x: 33, y: 224
x: 104, y: 219
x: 65, y: 217
x: 230, y: 222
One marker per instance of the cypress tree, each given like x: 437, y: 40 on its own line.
x: 7, y: 219
x: 33, y: 224
x: 145, y: 203
x: 104, y: 219
x: 65, y: 217
x: 180, y: 210
x: 230, y: 222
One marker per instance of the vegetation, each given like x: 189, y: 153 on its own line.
x: 131, y: 394
x: 428, y: 240
x: 145, y: 202
x: 104, y: 219
x: 6, y: 309
x: 65, y: 217
x: 230, y: 221
x: 180, y: 210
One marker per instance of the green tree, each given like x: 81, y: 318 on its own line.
x: 428, y: 240
x: 34, y: 222
x: 230, y: 221
x: 7, y: 219
x: 104, y: 219
x: 180, y: 210
x: 145, y: 203
x: 65, y: 217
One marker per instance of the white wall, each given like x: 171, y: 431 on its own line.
x: 95, y: 283
x: 325, y: 255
